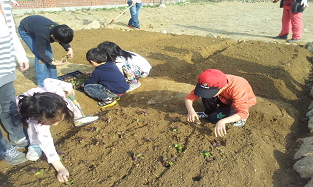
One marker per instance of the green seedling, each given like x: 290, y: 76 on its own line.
x: 100, y: 142
x: 64, y: 58
x: 93, y: 129
x: 137, y: 120
x: 174, y: 129
x: 198, y: 122
x: 176, y: 119
x: 70, y: 181
x: 137, y: 157
x: 36, y: 171
x: 168, y: 162
x: 207, y: 156
x: 81, y: 139
x: 179, y: 148
x: 121, y: 134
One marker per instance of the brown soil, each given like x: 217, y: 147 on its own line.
x: 259, y: 154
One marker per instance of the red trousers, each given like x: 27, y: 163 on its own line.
x: 291, y: 21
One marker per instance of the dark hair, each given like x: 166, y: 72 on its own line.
x: 44, y: 108
x: 62, y: 33
x: 95, y: 54
x: 114, y: 51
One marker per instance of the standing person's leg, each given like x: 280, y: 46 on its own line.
x: 138, y: 8
x: 286, y: 22
x: 41, y: 68
x: 9, y: 116
x: 297, y: 25
x: 134, y: 12
x: 9, y: 153
x: 51, y: 69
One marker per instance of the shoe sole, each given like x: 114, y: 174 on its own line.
x: 111, y: 104
x: 32, y: 158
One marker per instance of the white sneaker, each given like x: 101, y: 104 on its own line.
x: 34, y: 152
x: 239, y: 123
x: 202, y: 115
x: 133, y: 86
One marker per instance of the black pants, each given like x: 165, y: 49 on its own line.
x: 216, y: 109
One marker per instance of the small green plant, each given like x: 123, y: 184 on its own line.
x: 70, y: 181
x: 121, y: 134
x: 176, y: 119
x: 168, y: 162
x: 93, y: 129
x: 179, y: 148
x: 100, y: 142
x: 81, y: 139
x: 174, y: 129
x: 207, y: 156
x: 198, y: 122
x: 36, y: 171
x: 137, y: 157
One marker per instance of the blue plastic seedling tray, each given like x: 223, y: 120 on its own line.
x: 72, y: 74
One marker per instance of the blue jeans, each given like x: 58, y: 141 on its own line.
x: 99, y: 92
x: 43, y: 70
x: 9, y: 117
x: 134, y: 12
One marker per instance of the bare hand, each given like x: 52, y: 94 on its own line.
x: 63, y: 175
x: 220, y: 129
x: 24, y: 66
x: 59, y: 63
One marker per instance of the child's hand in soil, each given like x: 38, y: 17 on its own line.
x: 220, y: 129
x: 63, y: 175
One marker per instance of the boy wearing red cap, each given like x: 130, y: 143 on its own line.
x: 226, y: 98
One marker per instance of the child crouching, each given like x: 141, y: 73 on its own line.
x: 106, y: 83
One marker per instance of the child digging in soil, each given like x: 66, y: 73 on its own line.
x: 226, y: 98
x: 106, y: 83
x: 131, y: 65
x: 41, y: 108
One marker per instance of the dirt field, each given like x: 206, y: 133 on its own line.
x: 153, y: 116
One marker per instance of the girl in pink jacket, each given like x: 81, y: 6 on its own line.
x: 43, y: 107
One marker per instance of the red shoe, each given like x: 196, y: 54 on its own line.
x: 131, y: 26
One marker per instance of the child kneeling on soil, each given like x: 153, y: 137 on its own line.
x: 41, y: 108
x: 226, y: 98
x: 106, y: 83
x: 132, y: 65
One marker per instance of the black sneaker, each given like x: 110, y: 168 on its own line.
x: 281, y: 37
x: 106, y: 103
x: 13, y: 156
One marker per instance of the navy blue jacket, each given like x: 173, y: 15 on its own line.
x: 38, y: 27
x: 110, y: 77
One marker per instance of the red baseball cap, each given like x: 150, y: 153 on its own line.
x: 209, y: 83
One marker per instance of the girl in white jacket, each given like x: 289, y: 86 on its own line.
x: 132, y: 65
x: 43, y: 107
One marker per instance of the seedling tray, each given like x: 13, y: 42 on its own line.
x: 72, y: 74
